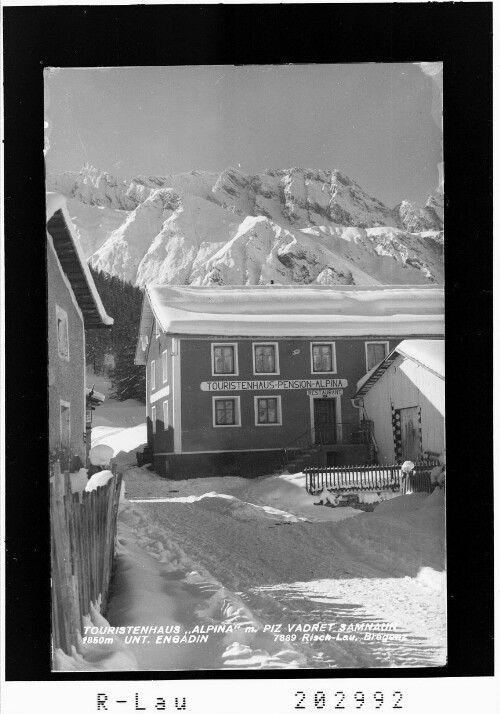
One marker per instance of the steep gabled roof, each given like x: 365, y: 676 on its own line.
x: 70, y: 254
x: 427, y: 353
x: 292, y: 311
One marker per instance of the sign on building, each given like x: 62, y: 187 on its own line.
x: 268, y: 384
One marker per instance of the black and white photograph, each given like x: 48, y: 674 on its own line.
x: 247, y: 336
x: 246, y: 366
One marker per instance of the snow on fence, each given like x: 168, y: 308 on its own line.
x: 83, y: 529
x: 368, y: 478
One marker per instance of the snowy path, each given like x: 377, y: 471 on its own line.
x: 239, y: 553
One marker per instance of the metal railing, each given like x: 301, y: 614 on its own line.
x: 351, y: 433
x: 342, y: 433
x: 369, y: 478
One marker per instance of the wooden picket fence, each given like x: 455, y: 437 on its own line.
x: 83, y: 532
x: 352, y: 479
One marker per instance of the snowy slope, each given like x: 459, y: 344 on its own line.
x: 95, y: 224
x: 289, y: 226
x: 236, y: 557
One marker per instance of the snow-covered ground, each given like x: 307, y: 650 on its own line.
x: 120, y: 425
x: 232, y: 573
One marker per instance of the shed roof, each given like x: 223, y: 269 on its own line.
x: 73, y: 263
x: 292, y: 311
x: 427, y: 353
x: 94, y: 396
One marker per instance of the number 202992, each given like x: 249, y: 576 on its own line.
x: 349, y: 701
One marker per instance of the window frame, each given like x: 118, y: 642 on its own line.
x: 237, y: 412
x: 334, y: 357
x: 153, y: 419
x: 63, y: 404
x: 276, y: 357
x: 166, y: 416
x: 152, y: 375
x: 375, y: 342
x: 61, y: 314
x: 278, y: 409
x: 223, y: 375
x: 164, y: 366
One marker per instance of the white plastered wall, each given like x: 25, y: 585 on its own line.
x: 407, y: 384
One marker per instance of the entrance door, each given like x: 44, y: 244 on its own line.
x: 410, y: 434
x: 325, y: 426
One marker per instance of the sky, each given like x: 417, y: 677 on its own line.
x: 378, y: 123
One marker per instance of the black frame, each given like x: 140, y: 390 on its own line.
x: 458, y: 33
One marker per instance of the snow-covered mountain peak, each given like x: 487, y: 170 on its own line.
x: 288, y: 225
x: 417, y: 218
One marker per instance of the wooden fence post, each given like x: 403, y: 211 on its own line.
x: 83, y: 535
x: 370, y: 477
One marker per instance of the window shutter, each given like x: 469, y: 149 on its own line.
x: 327, y: 358
x: 228, y: 360
x: 259, y: 359
x: 269, y: 358
x: 271, y: 411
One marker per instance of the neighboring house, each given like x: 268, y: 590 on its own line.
x: 405, y: 398
x: 73, y: 305
x: 235, y: 375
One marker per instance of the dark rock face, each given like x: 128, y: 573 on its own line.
x: 417, y: 219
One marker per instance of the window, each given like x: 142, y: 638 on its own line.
x: 165, y: 415
x: 153, y: 375
x: 267, y: 411
x: 323, y: 357
x: 225, y: 359
x: 157, y: 329
x: 153, y: 420
x: 164, y: 365
x: 266, y: 358
x: 226, y: 412
x: 62, y: 333
x: 65, y: 424
x: 375, y: 353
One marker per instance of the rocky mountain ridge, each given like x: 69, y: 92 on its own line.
x: 288, y: 225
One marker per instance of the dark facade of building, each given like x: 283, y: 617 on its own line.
x: 232, y: 400
x: 73, y: 304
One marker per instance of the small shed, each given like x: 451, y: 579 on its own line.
x: 73, y: 305
x: 404, y: 397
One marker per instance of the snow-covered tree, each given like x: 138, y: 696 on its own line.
x: 123, y: 302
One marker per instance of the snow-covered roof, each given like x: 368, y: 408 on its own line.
x: 94, y: 395
x: 72, y: 259
x: 292, y: 311
x: 427, y: 353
